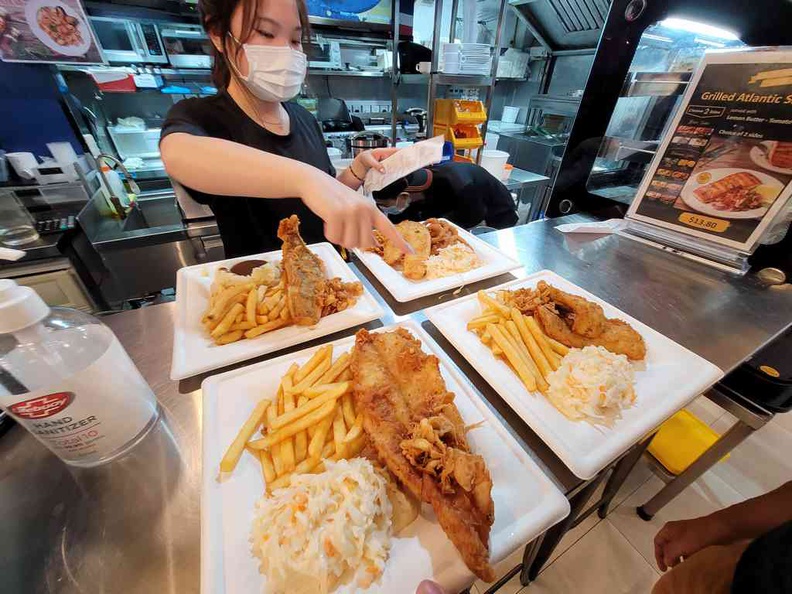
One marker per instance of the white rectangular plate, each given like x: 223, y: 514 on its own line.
x: 526, y: 502
x: 194, y: 352
x: 494, y: 262
x: 668, y: 379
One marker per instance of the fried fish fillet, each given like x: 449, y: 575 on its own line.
x: 416, y: 234
x: 617, y: 336
x: 303, y: 274
x: 396, y: 386
x: 587, y: 318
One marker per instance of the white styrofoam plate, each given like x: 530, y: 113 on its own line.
x: 526, y: 501
x: 194, y: 352
x: 494, y: 262
x: 667, y: 380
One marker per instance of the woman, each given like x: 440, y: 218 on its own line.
x: 253, y: 157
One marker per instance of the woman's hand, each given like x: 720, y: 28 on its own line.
x: 366, y: 160
x: 349, y: 217
x: 677, y: 540
x: 371, y: 159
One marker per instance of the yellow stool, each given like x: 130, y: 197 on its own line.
x: 681, y: 440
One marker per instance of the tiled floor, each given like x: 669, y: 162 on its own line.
x: 615, y: 555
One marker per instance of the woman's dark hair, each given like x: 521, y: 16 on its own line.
x: 216, y: 18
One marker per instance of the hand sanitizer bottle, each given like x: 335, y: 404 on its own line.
x: 65, y: 378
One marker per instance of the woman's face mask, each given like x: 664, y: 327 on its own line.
x: 275, y: 72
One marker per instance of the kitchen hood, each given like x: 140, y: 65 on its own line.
x: 563, y: 24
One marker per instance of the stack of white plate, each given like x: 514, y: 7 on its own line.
x: 452, y: 58
x: 476, y: 58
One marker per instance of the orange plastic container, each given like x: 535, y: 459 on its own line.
x: 461, y: 137
x: 450, y: 112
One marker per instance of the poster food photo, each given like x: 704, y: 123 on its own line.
x: 46, y: 31
x: 725, y: 168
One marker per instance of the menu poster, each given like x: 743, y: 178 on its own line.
x: 724, y: 169
x: 46, y: 31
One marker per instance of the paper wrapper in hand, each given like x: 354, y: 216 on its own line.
x: 404, y: 162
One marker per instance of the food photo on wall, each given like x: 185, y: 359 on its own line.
x: 46, y: 31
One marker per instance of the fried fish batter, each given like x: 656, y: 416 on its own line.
x: 402, y: 396
x: 338, y: 295
x: 588, y: 319
x: 618, y: 336
x: 443, y: 234
x: 303, y: 273
x: 525, y: 300
x: 416, y: 235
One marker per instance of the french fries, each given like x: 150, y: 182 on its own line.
x: 247, y: 310
x: 227, y: 321
x: 267, y: 468
x: 308, y: 421
x: 318, y: 440
x: 512, y: 356
x: 289, y: 416
x: 250, y: 307
x: 518, y: 339
x: 287, y: 447
x: 232, y: 455
x: 339, y: 432
x: 349, y: 410
x: 313, y: 362
x: 301, y: 439
x: 230, y: 337
x: 541, y: 340
x: 529, y: 339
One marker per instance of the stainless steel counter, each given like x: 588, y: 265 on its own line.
x: 133, y: 526
x: 519, y: 178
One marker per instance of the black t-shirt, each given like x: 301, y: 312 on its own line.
x: 249, y: 225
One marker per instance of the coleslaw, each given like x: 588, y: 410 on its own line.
x: 593, y: 384
x: 324, y: 529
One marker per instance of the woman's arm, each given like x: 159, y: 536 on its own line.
x: 216, y: 166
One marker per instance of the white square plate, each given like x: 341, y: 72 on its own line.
x: 526, y: 502
x: 668, y: 379
x: 194, y: 352
x: 494, y: 262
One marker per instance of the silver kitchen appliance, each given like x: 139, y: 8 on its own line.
x: 127, y: 41
x: 186, y: 46
x: 363, y: 141
x: 324, y: 54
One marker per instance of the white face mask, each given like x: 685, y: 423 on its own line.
x: 275, y: 73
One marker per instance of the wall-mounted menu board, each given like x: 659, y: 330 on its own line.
x: 724, y: 169
x: 46, y: 31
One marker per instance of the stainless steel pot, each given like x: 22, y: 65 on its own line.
x: 363, y: 141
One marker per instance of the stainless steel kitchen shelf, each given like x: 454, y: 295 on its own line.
x: 563, y: 105
x: 353, y: 73
x: 627, y: 149
x: 655, y: 84
x: 442, y: 78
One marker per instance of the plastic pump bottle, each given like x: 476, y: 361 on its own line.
x: 65, y: 377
